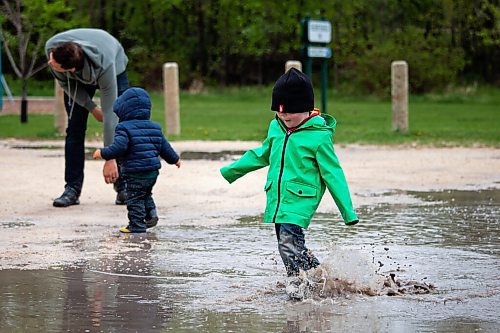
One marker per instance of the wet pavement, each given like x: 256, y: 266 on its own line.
x: 230, y: 278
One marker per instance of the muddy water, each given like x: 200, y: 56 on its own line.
x: 231, y: 279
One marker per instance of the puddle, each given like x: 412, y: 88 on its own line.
x: 37, y: 147
x: 230, y: 278
x: 224, y: 155
x: 15, y: 224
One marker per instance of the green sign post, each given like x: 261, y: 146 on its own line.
x: 316, y: 34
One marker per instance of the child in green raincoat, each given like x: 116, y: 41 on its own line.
x: 302, y: 164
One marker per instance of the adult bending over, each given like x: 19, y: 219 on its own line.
x: 82, y: 61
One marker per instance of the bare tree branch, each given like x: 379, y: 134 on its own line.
x: 34, y: 56
x: 38, y: 68
x: 11, y: 58
x: 13, y: 16
x: 23, y: 47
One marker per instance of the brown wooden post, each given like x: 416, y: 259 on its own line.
x: 399, y: 92
x: 171, y: 96
x: 293, y: 63
x: 60, y: 115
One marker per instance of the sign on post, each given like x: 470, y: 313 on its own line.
x: 319, y: 31
x: 319, y: 52
x: 316, y: 34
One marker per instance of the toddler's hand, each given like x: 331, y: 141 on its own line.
x: 97, y: 154
x: 178, y: 163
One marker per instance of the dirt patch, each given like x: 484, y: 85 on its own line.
x: 36, y: 105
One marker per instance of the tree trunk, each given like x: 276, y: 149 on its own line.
x: 24, y: 102
x: 24, y: 110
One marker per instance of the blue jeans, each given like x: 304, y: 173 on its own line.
x: 74, y: 149
x: 139, y: 201
x: 292, y: 248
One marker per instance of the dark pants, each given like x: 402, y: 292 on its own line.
x: 74, y: 149
x: 291, y: 245
x: 139, y: 201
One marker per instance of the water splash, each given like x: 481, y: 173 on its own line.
x: 346, y: 272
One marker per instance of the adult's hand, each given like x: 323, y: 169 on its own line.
x: 110, y: 171
x: 97, y: 113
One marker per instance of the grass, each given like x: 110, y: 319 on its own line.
x: 451, y: 119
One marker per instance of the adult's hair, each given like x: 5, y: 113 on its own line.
x: 69, y: 55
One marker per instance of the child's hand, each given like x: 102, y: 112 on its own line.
x: 97, y: 154
x: 178, y: 163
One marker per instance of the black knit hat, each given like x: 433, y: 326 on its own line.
x: 293, y: 93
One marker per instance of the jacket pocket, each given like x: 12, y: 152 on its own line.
x: 301, y: 190
x: 268, y: 185
x: 270, y: 202
x: 300, y: 200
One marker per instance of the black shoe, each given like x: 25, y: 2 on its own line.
x: 121, y: 197
x: 68, y: 198
x: 152, y: 222
x: 152, y: 219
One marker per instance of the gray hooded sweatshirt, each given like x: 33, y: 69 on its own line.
x: 104, y: 60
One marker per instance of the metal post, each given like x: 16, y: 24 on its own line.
x: 305, y: 43
x: 324, y: 80
x: 308, y: 68
x: 171, y: 96
x: 399, y: 92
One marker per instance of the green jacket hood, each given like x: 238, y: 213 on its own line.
x: 330, y: 121
x: 320, y: 121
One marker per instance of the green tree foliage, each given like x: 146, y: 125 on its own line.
x: 477, y: 24
x: 25, y: 26
x: 368, y: 36
x: 229, y: 42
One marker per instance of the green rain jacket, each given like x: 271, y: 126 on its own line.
x: 302, y: 164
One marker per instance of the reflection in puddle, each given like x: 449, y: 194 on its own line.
x: 79, y: 301
x: 230, y: 277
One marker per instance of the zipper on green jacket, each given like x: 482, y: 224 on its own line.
x: 282, y: 167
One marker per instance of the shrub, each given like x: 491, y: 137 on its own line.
x: 432, y: 65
